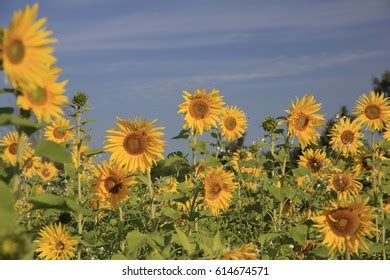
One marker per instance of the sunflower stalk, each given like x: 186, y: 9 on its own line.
x: 121, y: 229
x: 152, y: 205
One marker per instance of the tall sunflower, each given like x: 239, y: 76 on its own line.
x: 219, y: 185
x: 344, y: 183
x: 345, y: 137
x: 302, y: 120
x: 112, y: 184
x: 373, y: 110
x: 135, y: 144
x: 201, y: 110
x: 31, y: 163
x: 315, y: 160
x: 233, y: 123
x: 345, y: 225
x: 55, y: 243
x: 27, y: 47
x: 10, y: 144
x: 243, y: 162
x: 45, y: 99
x: 59, y: 131
x: 47, y: 171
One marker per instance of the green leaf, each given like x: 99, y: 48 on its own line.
x: 8, y: 119
x: 135, y: 240
x: 299, y: 234
x: 93, y: 152
x: 6, y: 110
x: 170, y: 213
x: 217, y: 242
x: 53, y: 151
x: 72, y: 205
x: 183, y: 134
x: 386, y: 188
x: 48, y: 200
x: 201, y: 146
x: 211, y: 161
x: 118, y: 257
x: 321, y: 251
x: 267, y: 237
x: 184, y: 241
x: 7, y: 210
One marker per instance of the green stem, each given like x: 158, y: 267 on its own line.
x: 347, y: 255
x: 78, y: 163
x: 121, y: 227
x: 193, y: 149
x: 151, y: 193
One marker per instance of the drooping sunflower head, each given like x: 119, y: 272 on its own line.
x: 31, y: 163
x: 55, y: 243
x: 233, y: 123
x: 344, y: 183
x: 346, y: 137
x: 345, y: 225
x: 135, y: 144
x: 201, y: 110
x: 27, y: 47
x: 112, y: 184
x: 45, y: 100
x: 219, y: 185
x: 47, y: 171
x: 9, y: 143
x: 373, y: 110
x: 315, y: 160
x: 246, y: 252
x: 59, y: 131
x: 302, y: 120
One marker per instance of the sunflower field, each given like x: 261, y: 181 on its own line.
x: 292, y: 195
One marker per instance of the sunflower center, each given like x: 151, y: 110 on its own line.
x: 314, y: 165
x: 13, y: 148
x: 46, y: 172
x: 135, y: 143
x: 60, y: 246
x: 199, y: 109
x: 301, y: 121
x: 373, y: 112
x: 112, y: 185
x: 344, y: 222
x: 59, y: 132
x: 347, y: 137
x: 341, y: 182
x: 215, y: 188
x: 16, y: 52
x: 29, y: 164
x: 230, y: 123
x: 37, y: 96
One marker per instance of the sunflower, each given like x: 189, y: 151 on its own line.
x: 344, y: 183
x: 59, y: 131
x: 233, y: 123
x: 243, y: 162
x: 168, y: 185
x: 47, y: 171
x: 44, y: 100
x: 373, y: 110
x: 31, y: 163
x: 135, y: 144
x: 315, y: 161
x: 363, y: 161
x: 345, y: 225
x: 305, y: 183
x: 386, y: 135
x: 201, y: 110
x: 247, y: 252
x: 112, y: 184
x: 10, y: 144
x: 302, y: 120
x: 84, y: 158
x: 26, y: 47
x: 55, y: 243
x: 386, y: 208
x: 345, y: 137
x: 218, y: 185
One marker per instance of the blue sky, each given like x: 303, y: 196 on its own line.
x: 134, y: 58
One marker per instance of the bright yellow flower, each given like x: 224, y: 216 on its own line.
x: 302, y: 120
x: 168, y: 185
x: 346, y: 137
x: 9, y: 143
x: 84, y: 159
x: 26, y: 47
x: 363, y: 161
x: 386, y: 135
x: 59, y: 131
x: 315, y: 161
x: 112, y: 184
x: 31, y: 164
x: 44, y: 100
x: 201, y: 110
x: 386, y: 208
x: 47, y: 171
x: 135, y: 144
x: 247, y: 252
x: 55, y: 243
x: 219, y: 185
x: 344, y: 183
x: 233, y: 123
x: 345, y: 225
x: 373, y: 110
x: 243, y: 162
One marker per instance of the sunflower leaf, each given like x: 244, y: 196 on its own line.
x: 53, y: 151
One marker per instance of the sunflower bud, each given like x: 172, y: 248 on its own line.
x: 269, y: 124
x: 80, y: 99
